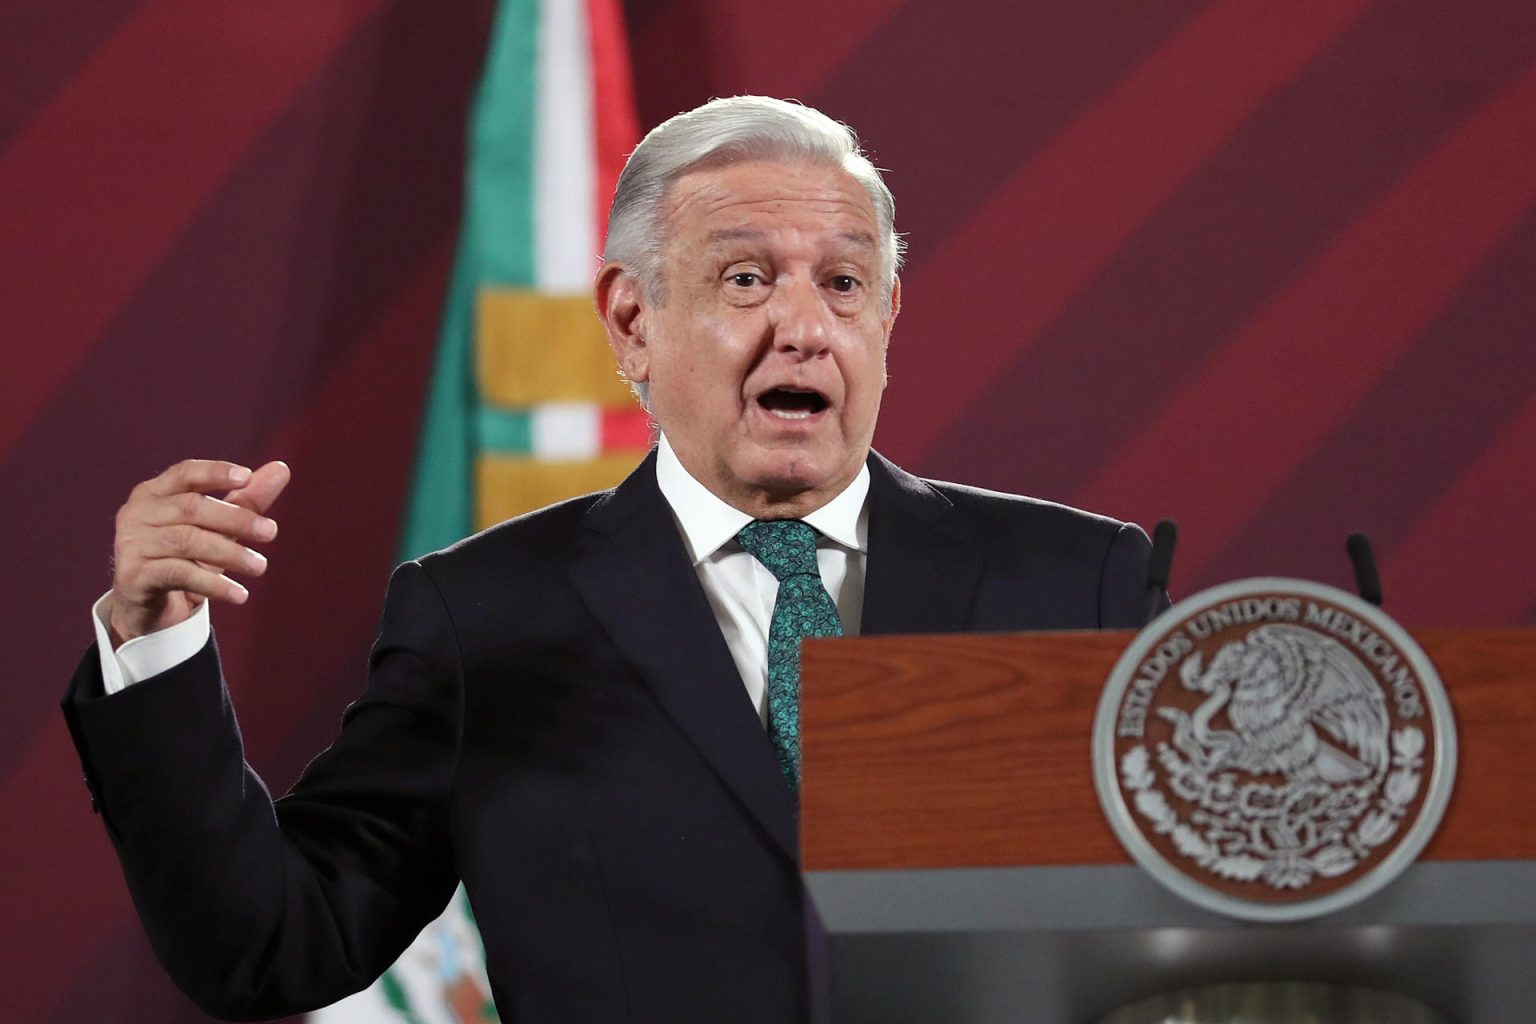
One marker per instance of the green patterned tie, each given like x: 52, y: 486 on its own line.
x: 787, y: 548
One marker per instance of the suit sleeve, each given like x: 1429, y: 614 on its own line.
x: 262, y: 909
x: 1123, y: 598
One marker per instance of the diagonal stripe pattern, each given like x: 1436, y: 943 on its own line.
x: 260, y: 195
x: 787, y: 548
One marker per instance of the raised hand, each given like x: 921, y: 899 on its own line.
x: 175, y: 541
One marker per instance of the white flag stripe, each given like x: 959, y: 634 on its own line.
x: 566, y: 431
x: 564, y: 217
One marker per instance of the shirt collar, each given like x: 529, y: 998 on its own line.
x: 707, y: 523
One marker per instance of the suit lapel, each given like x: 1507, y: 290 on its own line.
x: 635, y: 575
x: 924, y: 564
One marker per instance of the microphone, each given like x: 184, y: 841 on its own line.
x: 1366, y: 579
x: 1165, y: 537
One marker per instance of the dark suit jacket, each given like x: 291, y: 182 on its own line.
x: 552, y: 715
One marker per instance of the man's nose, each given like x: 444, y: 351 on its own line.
x: 798, y: 317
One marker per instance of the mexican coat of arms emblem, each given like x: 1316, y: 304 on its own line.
x: 1274, y: 749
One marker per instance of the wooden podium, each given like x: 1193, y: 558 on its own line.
x: 955, y: 848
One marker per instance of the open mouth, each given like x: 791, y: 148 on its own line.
x: 792, y: 403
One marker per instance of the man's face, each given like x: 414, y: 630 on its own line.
x: 766, y: 356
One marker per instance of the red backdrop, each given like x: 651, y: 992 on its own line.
x: 1263, y: 267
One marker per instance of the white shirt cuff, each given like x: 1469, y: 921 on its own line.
x: 150, y: 654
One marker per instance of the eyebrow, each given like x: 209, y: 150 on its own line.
x: 860, y: 239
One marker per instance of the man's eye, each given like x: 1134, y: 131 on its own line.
x: 844, y: 283
x: 745, y: 279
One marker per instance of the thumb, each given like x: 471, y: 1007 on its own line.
x: 262, y: 489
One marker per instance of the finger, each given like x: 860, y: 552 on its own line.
x: 170, y: 574
x: 210, y: 513
x: 203, y: 475
x: 263, y: 488
x: 193, y: 543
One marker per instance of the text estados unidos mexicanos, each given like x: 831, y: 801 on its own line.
x: 1390, y: 665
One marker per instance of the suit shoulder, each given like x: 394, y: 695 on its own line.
x: 548, y: 533
x: 1049, y: 565
x: 1000, y: 511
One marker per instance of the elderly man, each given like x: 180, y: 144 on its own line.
x: 588, y: 714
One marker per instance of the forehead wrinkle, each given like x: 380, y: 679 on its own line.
x: 861, y: 240
x: 715, y: 197
x: 740, y: 234
x: 703, y: 189
x: 701, y: 194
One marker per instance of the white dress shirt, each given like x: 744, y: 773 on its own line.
x: 740, y: 590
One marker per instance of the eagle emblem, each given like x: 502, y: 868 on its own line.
x: 1298, y: 704
x: 1274, y: 749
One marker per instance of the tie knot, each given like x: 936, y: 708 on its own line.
x: 786, y: 547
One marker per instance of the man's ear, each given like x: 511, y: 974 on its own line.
x: 621, y: 305
x: 889, y: 320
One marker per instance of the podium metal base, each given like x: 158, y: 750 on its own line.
x: 1261, y: 1002
x: 1067, y: 945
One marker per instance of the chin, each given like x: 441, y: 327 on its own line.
x: 787, y: 473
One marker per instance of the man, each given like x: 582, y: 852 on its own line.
x: 588, y: 713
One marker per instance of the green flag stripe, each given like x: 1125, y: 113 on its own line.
x: 501, y: 172
x: 498, y: 191
x: 395, y: 996
x: 438, y: 509
x: 505, y: 431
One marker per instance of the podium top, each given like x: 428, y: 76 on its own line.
x: 975, y: 750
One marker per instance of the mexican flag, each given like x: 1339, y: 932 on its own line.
x: 525, y: 405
